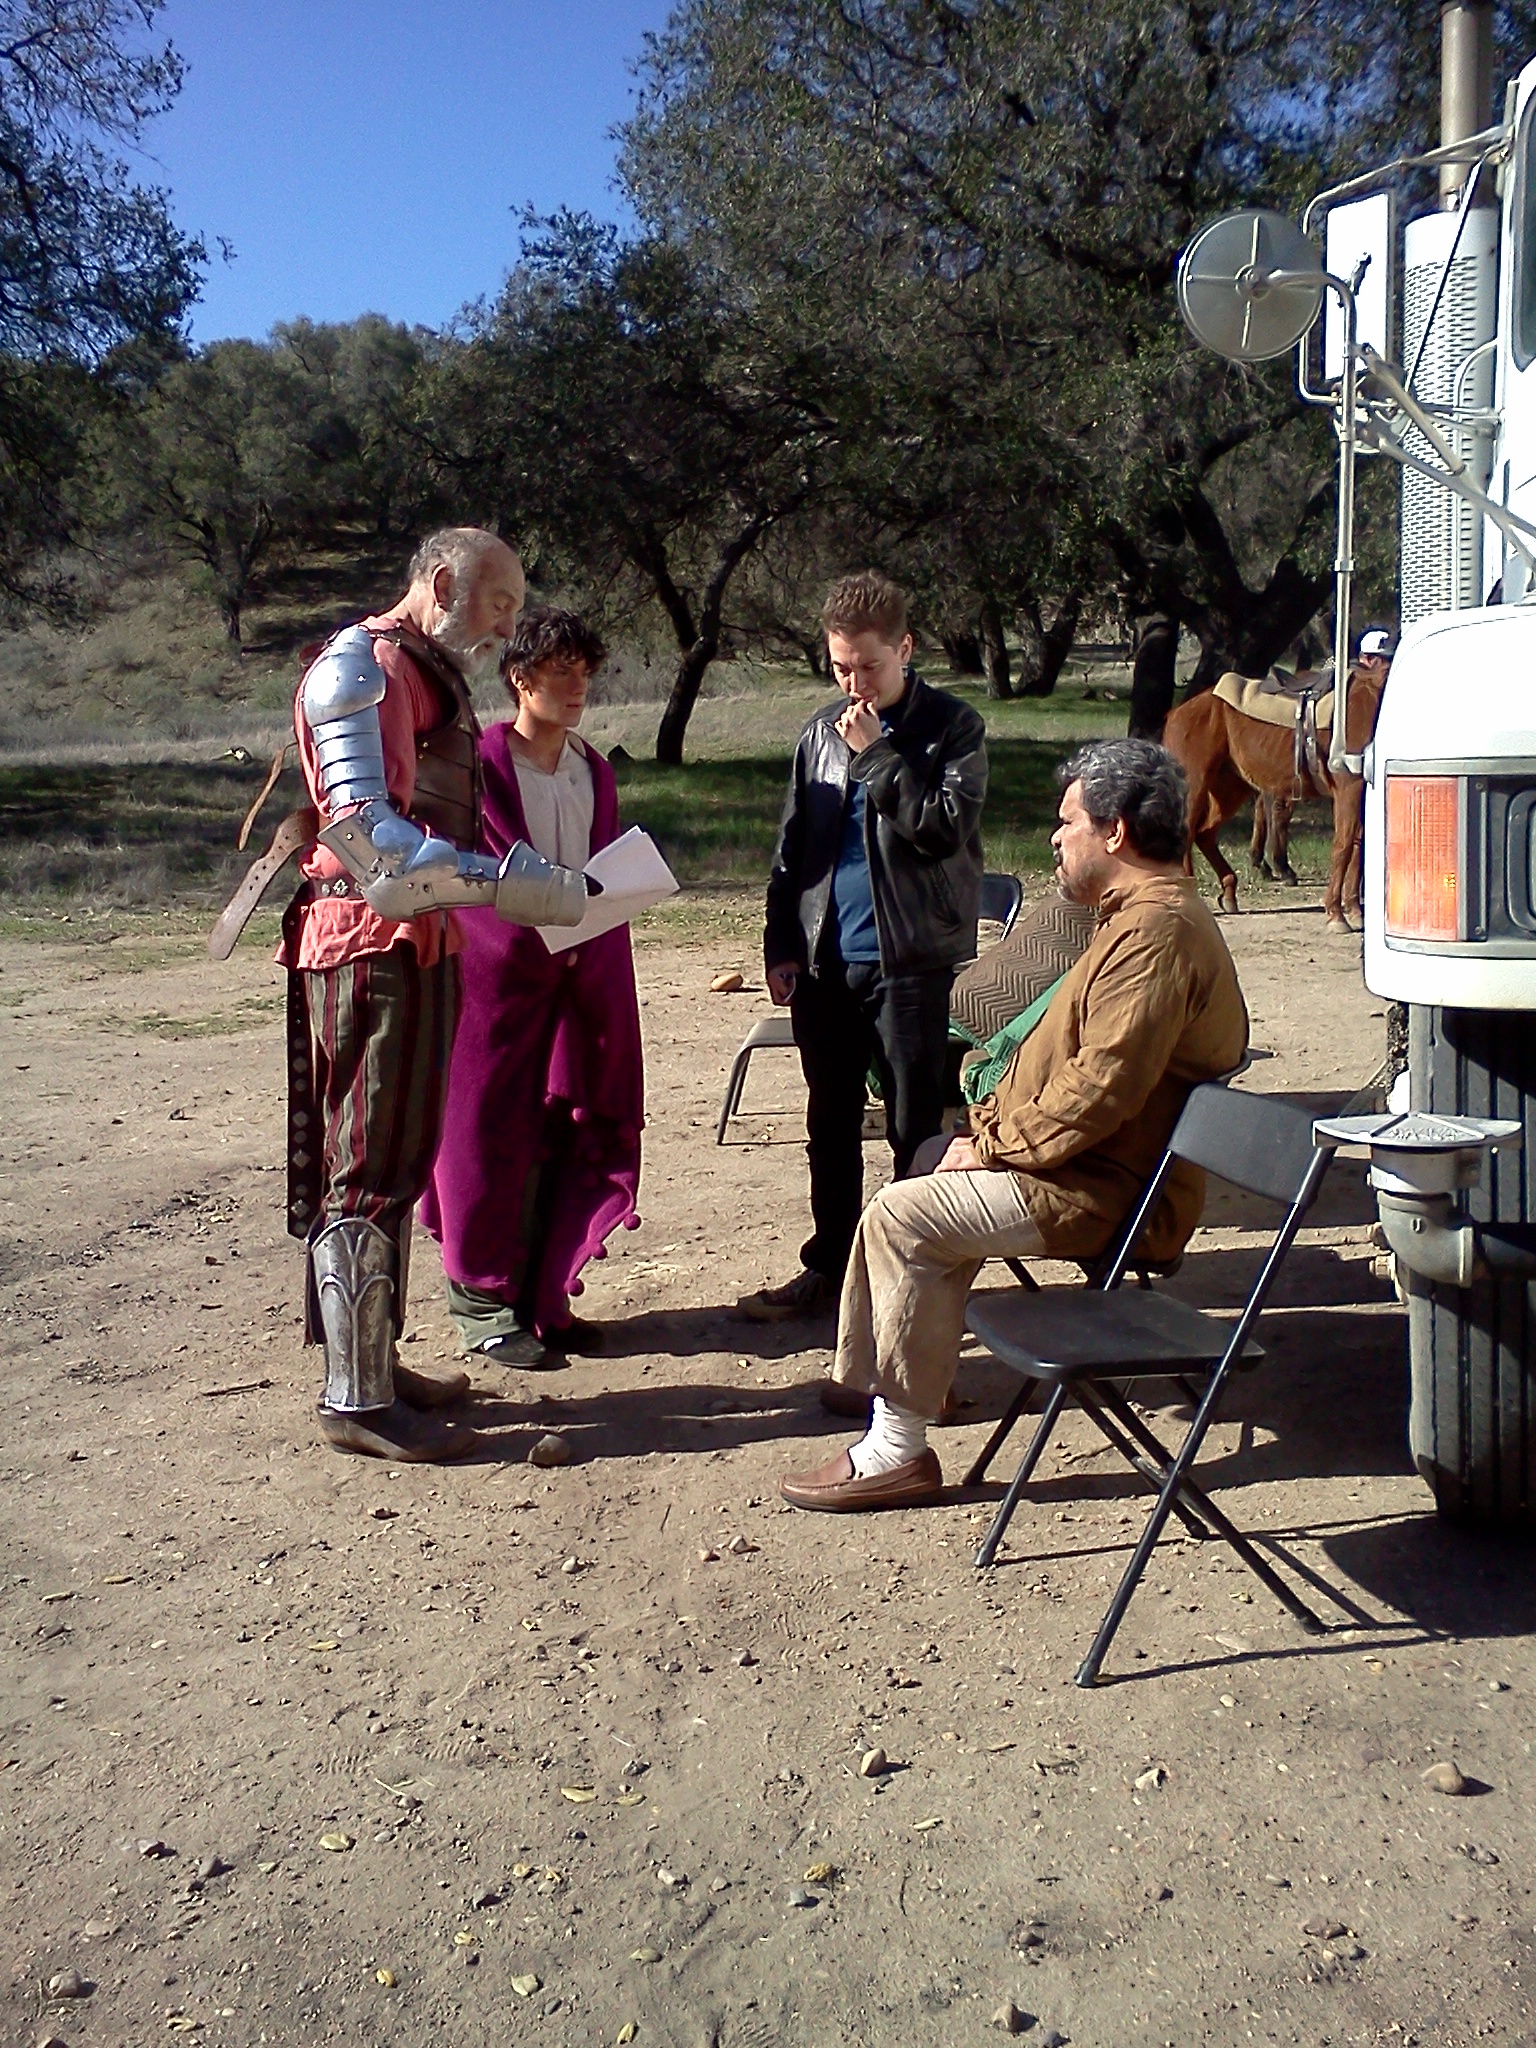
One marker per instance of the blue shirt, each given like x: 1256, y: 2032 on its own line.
x: 853, y: 899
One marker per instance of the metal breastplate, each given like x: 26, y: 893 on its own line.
x: 447, y: 795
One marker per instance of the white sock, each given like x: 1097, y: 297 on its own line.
x: 895, y: 1437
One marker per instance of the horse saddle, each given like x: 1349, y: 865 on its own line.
x: 1283, y: 701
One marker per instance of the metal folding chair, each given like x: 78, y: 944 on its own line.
x: 1085, y: 1344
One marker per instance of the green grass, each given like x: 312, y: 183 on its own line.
x: 102, y: 842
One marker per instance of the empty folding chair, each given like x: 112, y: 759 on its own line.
x: 1084, y: 1344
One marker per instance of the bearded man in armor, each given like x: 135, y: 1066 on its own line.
x: 388, y: 741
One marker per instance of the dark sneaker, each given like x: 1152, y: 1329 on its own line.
x: 808, y: 1294
x: 521, y: 1348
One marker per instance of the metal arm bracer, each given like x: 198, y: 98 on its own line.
x: 404, y: 871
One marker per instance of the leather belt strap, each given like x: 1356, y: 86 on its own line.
x: 295, y: 833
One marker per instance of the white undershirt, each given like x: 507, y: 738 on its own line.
x: 558, y: 808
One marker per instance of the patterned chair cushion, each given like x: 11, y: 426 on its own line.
x: 1047, y: 939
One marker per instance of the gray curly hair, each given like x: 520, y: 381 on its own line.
x: 1139, y: 783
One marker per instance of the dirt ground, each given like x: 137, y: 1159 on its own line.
x: 296, y: 1748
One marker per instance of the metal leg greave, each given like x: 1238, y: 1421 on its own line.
x: 354, y: 1265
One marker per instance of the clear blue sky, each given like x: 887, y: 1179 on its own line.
x: 375, y: 157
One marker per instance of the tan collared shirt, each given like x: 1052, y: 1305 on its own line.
x: 1088, y: 1105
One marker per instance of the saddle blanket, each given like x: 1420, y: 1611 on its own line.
x: 1271, y: 701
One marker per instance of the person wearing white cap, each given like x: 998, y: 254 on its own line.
x: 1375, y: 651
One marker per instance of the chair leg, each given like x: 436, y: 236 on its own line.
x: 733, y: 1091
x: 1023, y: 1275
x: 1018, y: 1406
x: 1089, y: 1396
x: 1173, y: 1485
x: 1255, y: 1560
x: 1010, y: 1500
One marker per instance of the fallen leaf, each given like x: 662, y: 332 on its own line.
x: 329, y: 1643
x: 49, y: 1598
x: 336, y: 1842
x: 385, y: 1977
x: 922, y: 1826
x: 463, y: 1938
x: 821, y: 1873
x: 522, y: 1870
x: 526, y: 1986
x: 627, y: 2033
x: 645, y: 1955
x: 997, y: 1748
x: 577, y: 1794
x: 118, y: 1579
x: 630, y: 1799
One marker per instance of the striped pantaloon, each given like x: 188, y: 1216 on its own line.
x: 380, y: 1031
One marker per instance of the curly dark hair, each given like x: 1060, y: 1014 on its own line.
x: 1139, y: 783
x: 546, y: 633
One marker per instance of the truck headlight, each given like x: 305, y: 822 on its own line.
x: 1424, y: 854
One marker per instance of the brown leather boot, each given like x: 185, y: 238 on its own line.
x: 428, y: 1389
x: 396, y: 1432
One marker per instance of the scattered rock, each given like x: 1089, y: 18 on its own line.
x: 709, y: 1557
x: 821, y: 1873
x: 740, y: 1546
x: 1476, y: 1854
x: 387, y: 1978
x: 550, y: 1450
x: 726, y: 984
x: 50, y: 2041
x: 1281, y: 1884
x: 526, y: 1986
x: 874, y: 1763
x: 98, y: 1930
x: 552, y: 2006
x: 69, y: 1984
x: 1497, y: 1685
x: 1325, y: 1930
x: 745, y: 1659
x: 1152, y: 1779
x: 1352, y: 1952
x: 486, y: 1898
x: 1444, y: 1777
x: 799, y: 1896
x: 384, y: 1514
x: 572, y: 1565
x: 212, y: 1866
x: 720, y: 1884
x: 1010, y: 2018
x: 151, y: 1845
x: 1156, y: 1892
x: 673, y: 1880
x: 1051, y: 2039
x: 645, y: 1955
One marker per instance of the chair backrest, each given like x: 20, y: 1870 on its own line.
x: 1251, y: 1141
x: 1001, y: 896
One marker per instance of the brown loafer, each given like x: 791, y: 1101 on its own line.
x: 396, y: 1432
x: 429, y: 1389
x: 840, y: 1400
x: 833, y: 1488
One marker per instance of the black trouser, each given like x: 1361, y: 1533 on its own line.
x: 846, y: 1019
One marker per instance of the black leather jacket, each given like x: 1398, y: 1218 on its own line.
x: 925, y: 782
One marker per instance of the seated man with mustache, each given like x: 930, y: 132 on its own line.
x: 1056, y: 1157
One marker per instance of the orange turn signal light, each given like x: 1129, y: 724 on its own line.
x: 1424, y: 855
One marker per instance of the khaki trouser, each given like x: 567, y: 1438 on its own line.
x: 916, y: 1253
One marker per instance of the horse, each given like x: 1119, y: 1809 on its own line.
x: 1228, y: 757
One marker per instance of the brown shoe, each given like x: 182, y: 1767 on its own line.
x: 429, y: 1389
x: 397, y: 1432
x: 808, y: 1294
x: 833, y: 1488
x: 840, y: 1400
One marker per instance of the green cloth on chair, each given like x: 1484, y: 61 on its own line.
x: 980, y: 1078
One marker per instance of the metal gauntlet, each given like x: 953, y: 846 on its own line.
x: 403, y: 870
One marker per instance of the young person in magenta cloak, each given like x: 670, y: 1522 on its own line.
x: 540, y: 1156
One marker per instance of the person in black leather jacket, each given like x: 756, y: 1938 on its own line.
x: 872, y: 903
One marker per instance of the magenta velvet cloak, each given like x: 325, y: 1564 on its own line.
x: 546, y: 1073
